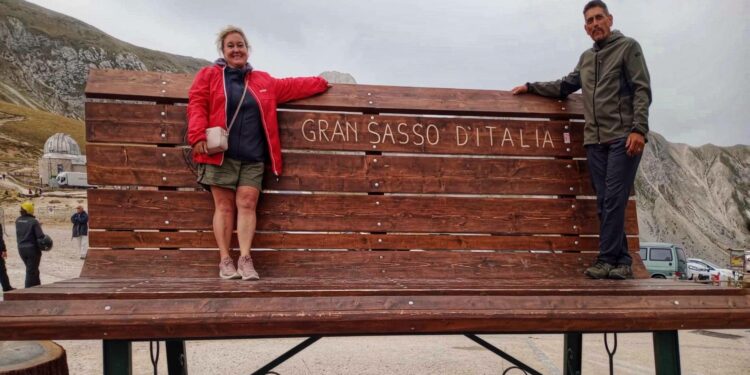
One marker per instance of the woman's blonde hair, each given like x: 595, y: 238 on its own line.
x: 223, y: 34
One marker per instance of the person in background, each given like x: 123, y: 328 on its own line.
x: 28, y: 234
x: 231, y: 94
x: 80, y: 221
x: 4, y: 280
x: 616, y: 87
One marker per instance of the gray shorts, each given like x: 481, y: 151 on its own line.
x: 231, y: 174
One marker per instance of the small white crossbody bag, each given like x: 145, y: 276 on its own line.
x: 217, y: 138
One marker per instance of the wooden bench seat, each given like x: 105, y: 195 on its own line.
x: 400, y: 211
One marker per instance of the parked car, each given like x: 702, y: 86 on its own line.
x: 664, y: 260
x: 703, y: 270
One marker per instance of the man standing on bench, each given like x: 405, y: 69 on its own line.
x: 616, y: 90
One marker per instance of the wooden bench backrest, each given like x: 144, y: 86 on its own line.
x: 480, y: 183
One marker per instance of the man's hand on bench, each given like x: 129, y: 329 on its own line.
x: 522, y: 89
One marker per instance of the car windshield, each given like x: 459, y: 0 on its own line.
x: 711, y: 264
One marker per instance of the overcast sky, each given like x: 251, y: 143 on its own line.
x: 697, y: 50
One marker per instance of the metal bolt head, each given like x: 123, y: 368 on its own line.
x: 377, y: 184
x: 380, y: 240
x: 374, y: 146
x: 164, y: 178
x: 166, y: 239
x: 166, y: 221
x: 164, y: 113
x: 164, y: 135
x: 166, y: 198
x: 380, y: 224
x: 164, y: 154
x: 567, y: 149
x: 107, y: 308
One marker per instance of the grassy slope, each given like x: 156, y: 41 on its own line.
x: 36, y: 127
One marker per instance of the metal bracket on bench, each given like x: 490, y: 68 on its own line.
x: 522, y: 366
x: 291, y: 353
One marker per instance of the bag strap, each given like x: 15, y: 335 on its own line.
x: 242, y: 99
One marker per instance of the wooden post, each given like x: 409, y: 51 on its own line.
x: 32, y: 358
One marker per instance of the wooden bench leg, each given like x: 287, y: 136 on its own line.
x: 572, y: 356
x: 176, y: 357
x: 118, y: 357
x: 667, y: 353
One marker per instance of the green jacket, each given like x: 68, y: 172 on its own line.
x: 616, y: 89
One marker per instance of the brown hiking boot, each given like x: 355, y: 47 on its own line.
x: 621, y: 272
x: 600, y: 270
x: 246, y: 269
x: 227, y: 270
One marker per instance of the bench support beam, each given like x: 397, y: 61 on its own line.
x: 526, y: 368
x: 291, y: 353
x: 176, y: 357
x: 117, y: 355
x: 573, y: 344
x: 667, y: 353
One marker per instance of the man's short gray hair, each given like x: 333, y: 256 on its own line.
x: 223, y: 34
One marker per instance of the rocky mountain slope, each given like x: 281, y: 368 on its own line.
x: 695, y: 196
x: 45, y: 57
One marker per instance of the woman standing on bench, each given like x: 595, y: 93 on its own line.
x: 232, y: 95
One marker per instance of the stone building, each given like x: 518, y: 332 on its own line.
x: 61, y: 154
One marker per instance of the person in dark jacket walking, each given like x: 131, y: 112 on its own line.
x: 80, y: 221
x: 616, y: 89
x: 4, y: 280
x: 28, y: 234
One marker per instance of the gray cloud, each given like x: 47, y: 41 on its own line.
x: 696, y: 50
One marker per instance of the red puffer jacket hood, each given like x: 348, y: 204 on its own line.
x: 207, y: 106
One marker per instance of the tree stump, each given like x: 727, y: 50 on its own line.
x: 32, y: 358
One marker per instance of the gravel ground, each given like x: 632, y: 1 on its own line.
x: 702, y: 352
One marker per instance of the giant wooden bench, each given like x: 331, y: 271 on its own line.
x: 401, y: 211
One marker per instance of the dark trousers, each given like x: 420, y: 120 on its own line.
x: 612, y: 174
x: 4, y: 281
x: 31, y: 258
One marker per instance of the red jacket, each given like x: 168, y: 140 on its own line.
x: 207, y: 106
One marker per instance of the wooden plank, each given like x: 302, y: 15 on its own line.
x: 166, y: 166
x: 138, y: 85
x: 275, y: 317
x: 135, y: 123
x: 205, y: 240
x: 184, y: 210
x: 165, y: 124
x: 127, y: 85
x: 452, y: 135
x: 350, y: 265
x: 168, y: 288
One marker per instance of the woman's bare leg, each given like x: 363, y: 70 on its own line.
x: 223, y: 224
